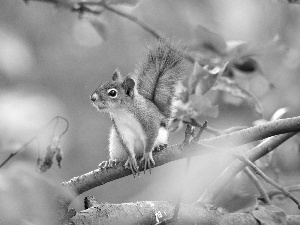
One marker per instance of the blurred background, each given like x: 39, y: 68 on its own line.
x: 51, y: 61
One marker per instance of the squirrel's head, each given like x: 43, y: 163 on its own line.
x: 114, y: 94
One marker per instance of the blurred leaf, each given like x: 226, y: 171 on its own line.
x: 184, y: 96
x: 100, y: 27
x: 202, y: 79
x: 28, y: 196
x: 236, y: 48
x: 265, y: 161
x: 246, y: 65
x: 269, y: 215
x: 230, y: 86
x: 85, y: 33
x: 202, y: 106
x: 209, y: 41
x: 182, y: 92
x: 258, y: 84
x: 279, y: 114
x: 16, y: 57
x: 178, y: 126
x: 197, y: 74
x: 259, y: 122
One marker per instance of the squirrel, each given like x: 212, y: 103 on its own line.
x: 141, y: 105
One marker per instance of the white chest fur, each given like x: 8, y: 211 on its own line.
x: 130, y: 130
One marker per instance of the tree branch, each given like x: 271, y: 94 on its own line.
x: 98, y: 177
x: 152, y: 212
x: 293, y: 188
x: 268, y: 179
x: 214, y: 190
x: 258, y: 185
x: 255, y: 133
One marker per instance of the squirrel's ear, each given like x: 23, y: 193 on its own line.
x: 128, y: 85
x: 117, y: 75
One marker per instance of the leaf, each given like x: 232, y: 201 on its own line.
x: 269, y: 215
x: 197, y: 74
x: 230, y: 86
x: 100, y: 27
x: 179, y: 125
x: 279, y: 114
x: 246, y: 65
x: 209, y: 41
x: 202, y: 79
x: 123, y: 2
x: 236, y: 48
x: 48, y: 160
x: 202, y: 106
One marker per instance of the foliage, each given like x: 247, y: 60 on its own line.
x: 222, y: 74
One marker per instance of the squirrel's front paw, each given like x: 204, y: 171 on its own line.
x: 160, y: 147
x: 132, y: 165
x: 148, y: 158
x: 107, y: 164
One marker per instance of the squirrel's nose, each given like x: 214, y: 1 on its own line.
x: 94, y: 97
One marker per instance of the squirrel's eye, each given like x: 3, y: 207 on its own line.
x: 112, y: 93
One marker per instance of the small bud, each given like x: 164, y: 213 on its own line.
x: 48, y: 160
x: 59, y: 157
x: 55, y: 141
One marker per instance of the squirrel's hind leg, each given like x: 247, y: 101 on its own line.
x: 148, y: 159
x: 132, y: 165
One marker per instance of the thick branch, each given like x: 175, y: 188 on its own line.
x: 99, y: 177
x: 153, y: 212
x: 255, y: 133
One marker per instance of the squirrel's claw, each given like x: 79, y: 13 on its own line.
x: 148, y: 158
x: 132, y: 165
x: 112, y: 163
x: 107, y: 164
x: 103, y: 165
x: 160, y: 147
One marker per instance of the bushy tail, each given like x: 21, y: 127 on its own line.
x: 159, y: 73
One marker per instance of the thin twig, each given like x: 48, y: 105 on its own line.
x: 34, y: 137
x: 46, y: 1
x: 202, y: 128
x: 189, y: 132
x: 134, y: 19
x: 81, y: 8
x: 212, y: 193
x: 293, y: 188
x: 177, y: 207
x: 265, y: 198
x: 67, y: 126
x: 268, y: 179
